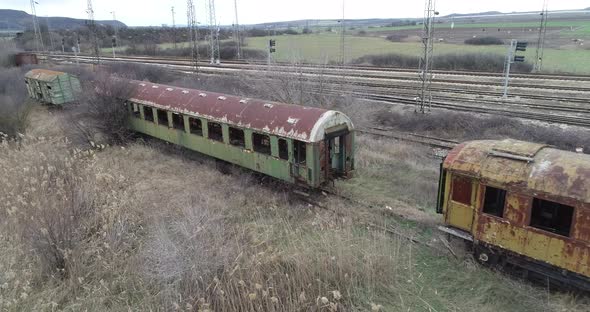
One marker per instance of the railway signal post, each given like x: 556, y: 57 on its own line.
x: 511, y: 57
x: 272, y: 43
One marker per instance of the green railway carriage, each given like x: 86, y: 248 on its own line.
x: 52, y: 87
x: 300, y: 145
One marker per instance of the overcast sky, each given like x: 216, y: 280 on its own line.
x: 157, y: 12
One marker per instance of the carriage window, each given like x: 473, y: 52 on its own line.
x: 162, y: 117
x: 494, y: 200
x: 236, y: 137
x: 299, y: 152
x: 283, y: 149
x: 148, y: 113
x: 177, y: 121
x: 551, y: 216
x: 195, y: 126
x: 461, y: 190
x: 261, y: 143
x: 215, y: 132
x: 134, y: 108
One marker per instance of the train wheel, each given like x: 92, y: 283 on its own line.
x: 486, y: 256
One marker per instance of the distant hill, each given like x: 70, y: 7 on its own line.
x: 14, y: 19
x: 474, y: 14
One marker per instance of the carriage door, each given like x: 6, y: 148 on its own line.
x: 335, y: 144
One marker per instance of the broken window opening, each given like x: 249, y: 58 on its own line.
x: 195, y: 125
x: 283, y: 149
x: 494, y: 201
x: 299, y: 151
x: 461, y: 190
x: 215, y: 132
x: 162, y: 117
x: 236, y: 137
x: 552, y: 217
x: 148, y: 113
x: 134, y: 108
x: 261, y: 143
x: 177, y: 121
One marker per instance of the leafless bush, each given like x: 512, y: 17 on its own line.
x: 104, y: 104
x: 484, y: 41
x: 7, y: 53
x: 465, y: 61
x: 14, y: 109
x: 136, y: 71
x: 52, y: 203
x: 468, y: 127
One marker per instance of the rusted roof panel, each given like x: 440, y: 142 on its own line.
x: 43, y: 74
x: 533, y: 166
x: 287, y: 120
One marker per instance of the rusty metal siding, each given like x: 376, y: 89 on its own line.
x: 26, y: 59
x: 527, y: 171
x: 285, y: 120
x: 550, y: 171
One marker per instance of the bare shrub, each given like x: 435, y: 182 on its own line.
x: 137, y: 71
x: 105, y: 108
x: 54, y: 207
x: 465, y: 61
x: 464, y: 126
x: 484, y: 41
x: 14, y: 109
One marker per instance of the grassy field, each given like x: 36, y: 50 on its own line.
x: 325, y: 47
x: 146, y: 226
x: 583, y: 24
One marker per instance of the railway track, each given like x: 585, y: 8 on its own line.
x: 540, y: 76
x: 560, y: 106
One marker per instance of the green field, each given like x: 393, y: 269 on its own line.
x: 582, y: 24
x: 325, y: 47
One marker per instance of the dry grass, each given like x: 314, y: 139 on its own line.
x: 154, y: 227
x: 142, y: 228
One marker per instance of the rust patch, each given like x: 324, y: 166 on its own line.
x: 286, y: 120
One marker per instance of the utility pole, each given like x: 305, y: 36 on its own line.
x: 38, y: 38
x: 541, y: 40
x: 115, y: 37
x: 213, y: 34
x: 342, y: 31
x: 237, y: 32
x: 49, y: 33
x: 425, y: 97
x: 93, y: 34
x: 77, y: 49
x: 193, y: 32
x: 173, y: 27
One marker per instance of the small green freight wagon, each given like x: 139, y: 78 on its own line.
x: 52, y: 87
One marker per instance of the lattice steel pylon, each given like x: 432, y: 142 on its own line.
x: 193, y: 32
x: 36, y: 29
x: 424, y: 98
x: 213, y: 33
x: 237, y: 32
x: 93, y: 34
x: 541, y: 40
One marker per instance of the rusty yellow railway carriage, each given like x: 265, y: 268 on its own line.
x: 522, y: 204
